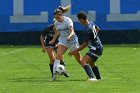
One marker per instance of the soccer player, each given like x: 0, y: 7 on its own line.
x: 67, y: 38
x: 45, y: 38
x: 92, y: 40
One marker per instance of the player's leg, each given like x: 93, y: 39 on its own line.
x: 93, y: 56
x: 60, y: 51
x: 96, y: 71
x: 83, y: 62
x: 87, y: 67
x: 77, y: 55
x: 51, y: 55
x: 62, y: 62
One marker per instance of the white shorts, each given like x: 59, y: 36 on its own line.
x: 71, y: 46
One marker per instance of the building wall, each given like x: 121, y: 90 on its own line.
x: 35, y: 15
x: 33, y: 38
x: 21, y: 21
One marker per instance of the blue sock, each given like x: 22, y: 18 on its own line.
x: 96, y: 72
x: 51, y: 68
x: 88, y: 71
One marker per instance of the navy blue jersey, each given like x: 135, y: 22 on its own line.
x: 48, y: 35
x: 90, y: 35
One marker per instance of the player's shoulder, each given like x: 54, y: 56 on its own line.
x: 94, y: 24
x: 67, y: 18
x: 49, y: 27
x: 91, y: 24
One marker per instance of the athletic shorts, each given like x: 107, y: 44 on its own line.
x: 72, y: 46
x: 50, y: 45
x: 94, y: 54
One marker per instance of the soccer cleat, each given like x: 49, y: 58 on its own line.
x: 100, y: 79
x: 54, y: 77
x: 66, y: 74
x: 92, y: 79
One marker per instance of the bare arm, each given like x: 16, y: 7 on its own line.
x: 79, y: 49
x: 71, y: 30
x: 42, y: 43
x: 55, y: 35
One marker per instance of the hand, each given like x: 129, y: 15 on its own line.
x: 71, y: 53
x: 44, y: 49
x: 52, y: 41
x: 68, y: 38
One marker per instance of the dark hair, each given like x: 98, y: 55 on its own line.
x: 61, y: 8
x: 56, y: 11
x: 82, y: 15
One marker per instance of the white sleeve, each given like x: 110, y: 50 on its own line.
x: 70, y: 23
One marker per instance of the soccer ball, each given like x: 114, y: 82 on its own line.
x: 60, y: 69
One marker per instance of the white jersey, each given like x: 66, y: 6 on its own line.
x: 63, y: 28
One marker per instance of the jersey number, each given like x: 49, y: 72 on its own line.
x: 94, y: 31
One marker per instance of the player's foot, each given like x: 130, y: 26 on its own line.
x: 54, y: 77
x: 92, y: 79
x: 66, y: 74
x: 100, y: 79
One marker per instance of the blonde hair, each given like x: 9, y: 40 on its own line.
x: 65, y: 9
x: 62, y: 9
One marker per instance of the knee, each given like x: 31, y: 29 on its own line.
x: 92, y: 64
x: 59, y: 57
x: 83, y: 63
x: 52, y: 60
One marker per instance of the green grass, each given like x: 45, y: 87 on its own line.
x: 25, y: 69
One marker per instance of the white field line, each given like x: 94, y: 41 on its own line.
x: 11, y: 52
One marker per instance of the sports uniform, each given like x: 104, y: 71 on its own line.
x: 48, y: 35
x: 67, y: 38
x: 95, y: 46
x: 90, y: 39
x: 63, y: 28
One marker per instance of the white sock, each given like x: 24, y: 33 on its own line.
x: 56, y: 63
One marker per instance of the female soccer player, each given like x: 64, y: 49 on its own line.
x: 67, y: 38
x: 45, y: 38
x: 90, y: 38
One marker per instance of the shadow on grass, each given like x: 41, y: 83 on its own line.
x: 47, y: 79
x: 28, y: 79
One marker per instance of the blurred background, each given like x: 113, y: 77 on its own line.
x: 22, y: 21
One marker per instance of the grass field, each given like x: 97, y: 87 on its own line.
x: 26, y: 70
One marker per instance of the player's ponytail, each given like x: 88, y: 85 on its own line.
x: 65, y: 9
x: 62, y: 9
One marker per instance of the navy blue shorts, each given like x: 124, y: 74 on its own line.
x: 94, y: 54
x: 50, y: 45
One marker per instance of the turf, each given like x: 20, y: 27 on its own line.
x: 25, y: 69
